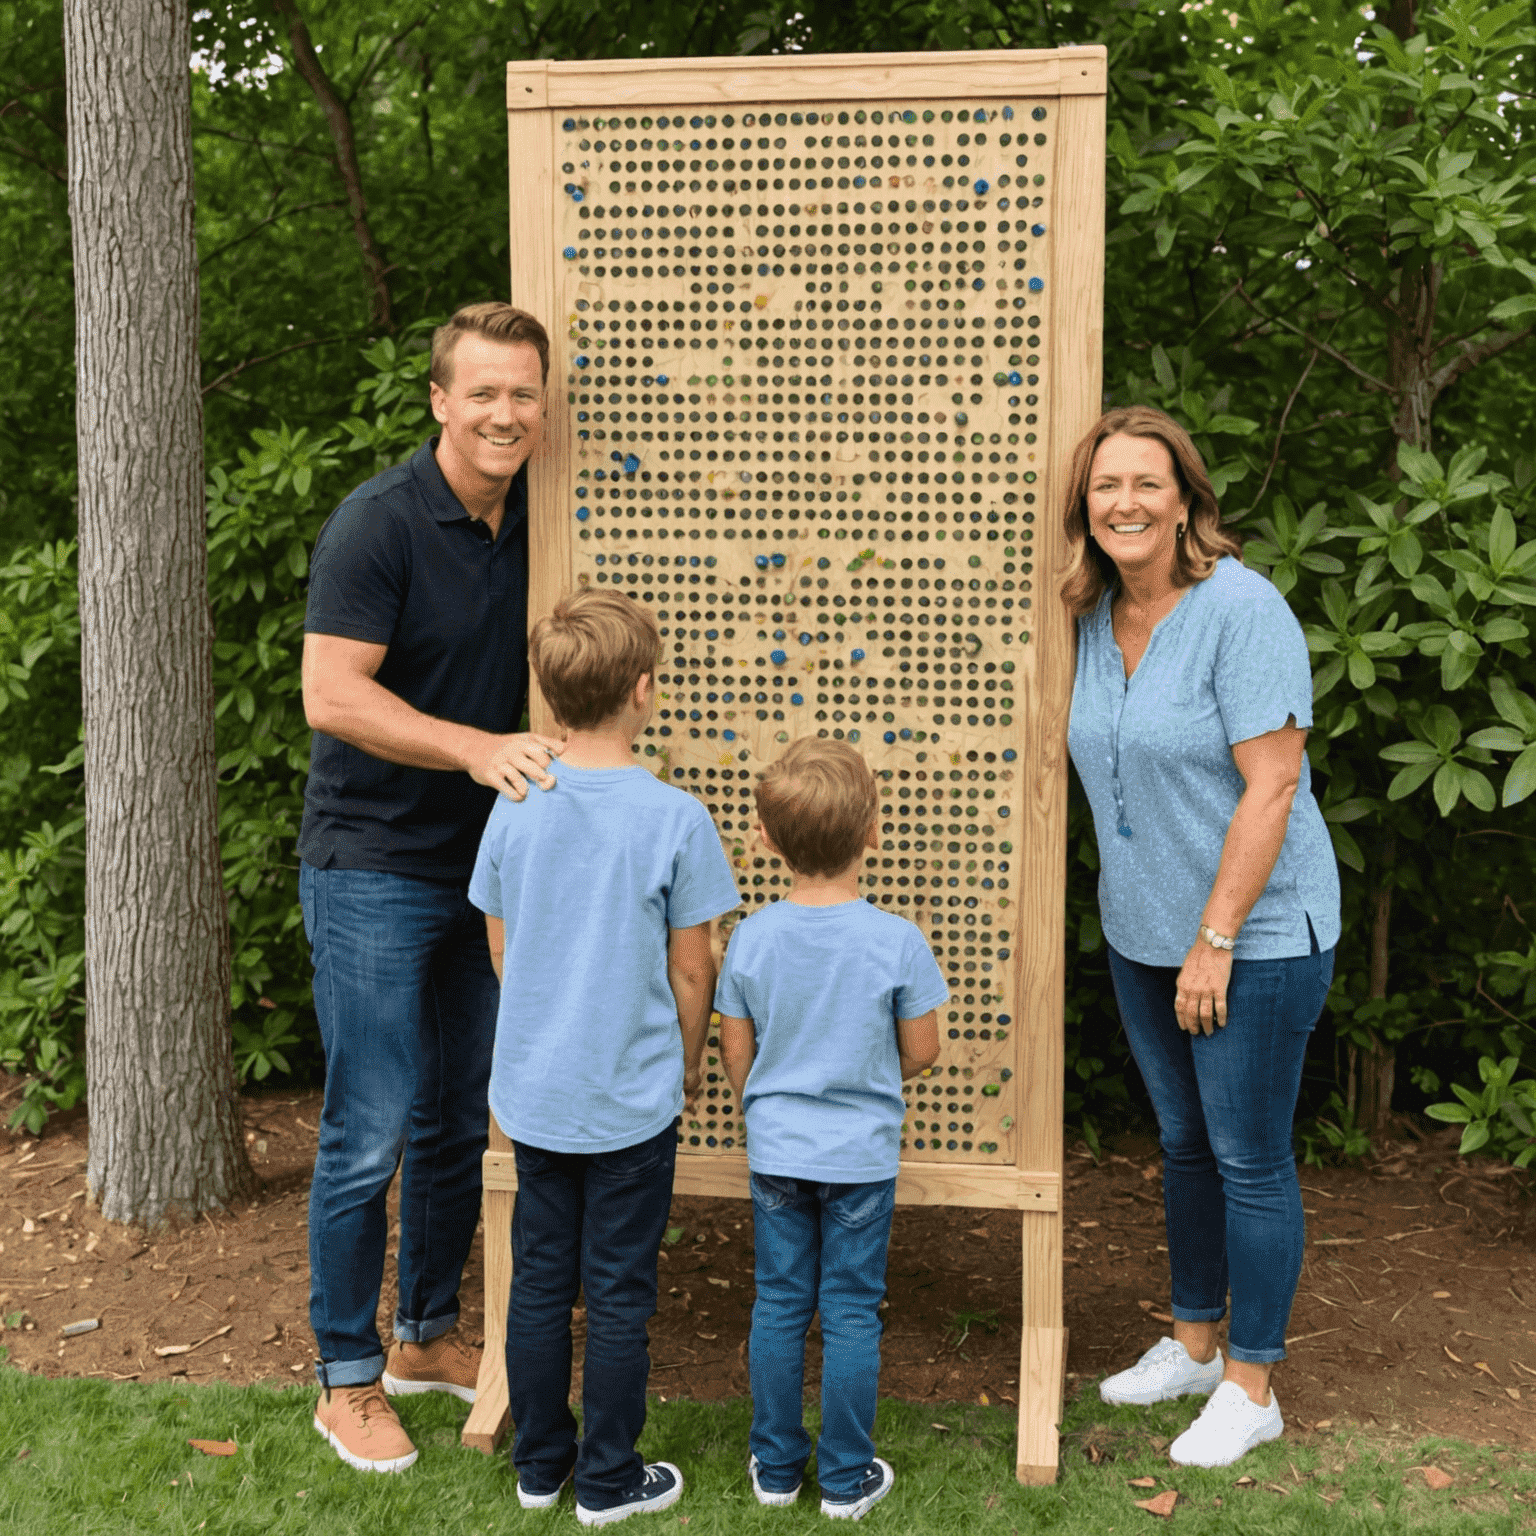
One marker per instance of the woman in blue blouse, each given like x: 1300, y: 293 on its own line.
x: 1218, y: 890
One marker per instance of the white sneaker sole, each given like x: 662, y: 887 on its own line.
x: 861, y: 1507
x: 642, y: 1507
x: 768, y: 1497
x: 541, y: 1500
x: 361, y: 1463
x: 1147, y: 1399
x: 401, y: 1386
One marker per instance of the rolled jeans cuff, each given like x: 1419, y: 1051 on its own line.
x: 1254, y: 1356
x: 349, y: 1373
x: 408, y: 1332
x: 1197, y: 1314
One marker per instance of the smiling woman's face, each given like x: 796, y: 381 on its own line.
x: 1135, y: 505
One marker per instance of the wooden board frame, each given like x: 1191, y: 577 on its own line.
x: 1073, y: 80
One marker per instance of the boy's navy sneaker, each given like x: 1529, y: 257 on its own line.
x: 771, y: 1496
x: 878, y: 1482
x: 660, y: 1488
x: 541, y: 1500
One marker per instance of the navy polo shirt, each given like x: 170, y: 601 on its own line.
x: 400, y: 563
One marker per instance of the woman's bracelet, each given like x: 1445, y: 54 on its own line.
x: 1216, y: 940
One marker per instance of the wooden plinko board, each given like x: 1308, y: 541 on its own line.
x: 825, y: 330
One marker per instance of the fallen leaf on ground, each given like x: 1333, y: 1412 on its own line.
x: 1245, y: 1482
x: 214, y: 1447
x: 1162, y: 1505
x: 1434, y: 1477
x: 1279, y: 1488
x: 1513, y: 1393
x: 1487, y: 1370
x: 985, y: 1401
x: 1441, y: 1295
x: 992, y: 1501
x: 1143, y: 1482
x: 943, y: 1429
x: 1447, y: 1349
x: 710, y: 1336
x: 724, y: 1285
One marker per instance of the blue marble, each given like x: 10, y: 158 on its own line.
x: 857, y: 655
x: 981, y: 188
x: 1036, y: 284
x: 778, y: 658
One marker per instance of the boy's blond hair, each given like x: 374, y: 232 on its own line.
x: 816, y: 803
x: 588, y: 653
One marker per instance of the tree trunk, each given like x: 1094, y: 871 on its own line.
x: 165, y: 1137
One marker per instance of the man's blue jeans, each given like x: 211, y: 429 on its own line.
x: 819, y: 1247
x: 1225, y: 1104
x: 591, y: 1222
x: 407, y: 1004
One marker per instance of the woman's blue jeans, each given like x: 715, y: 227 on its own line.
x: 819, y: 1247
x: 1225, y: 1104
x: 407, y: 1002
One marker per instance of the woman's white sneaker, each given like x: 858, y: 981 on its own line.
x: 1229, y: 1426
x: 1164, y: 1372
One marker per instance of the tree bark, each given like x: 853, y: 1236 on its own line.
x: 165, y: 1132
x: 1378, y: 1061
x: 339, y: 121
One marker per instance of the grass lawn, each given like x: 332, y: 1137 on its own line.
x: 83, y: 1457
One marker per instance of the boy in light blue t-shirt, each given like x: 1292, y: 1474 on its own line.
x: 825, y: 1004
x: 598, y: 898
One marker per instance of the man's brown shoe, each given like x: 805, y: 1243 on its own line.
x: 363, y: 1428
x: 442, y: 1364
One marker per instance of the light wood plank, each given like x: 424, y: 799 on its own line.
x: 534, y: 287
x: 830, y: 77
x: 1042, y: 1377
x: 488, y: 1418
x: 918, y: 1183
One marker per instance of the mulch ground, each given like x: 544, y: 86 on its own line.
x: 1417, y: 1307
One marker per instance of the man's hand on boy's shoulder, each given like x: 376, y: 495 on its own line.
x: 512, y: 760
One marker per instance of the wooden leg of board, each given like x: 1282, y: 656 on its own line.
x: 1042, y: 1377
x: 488, y: 1419
x: 1043, y: 1351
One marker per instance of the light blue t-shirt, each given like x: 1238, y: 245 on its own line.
x: 824, y: 987
x: 588, y: 877
x: 1155, y: 757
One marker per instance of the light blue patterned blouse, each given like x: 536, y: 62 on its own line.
x: 1155, y: 756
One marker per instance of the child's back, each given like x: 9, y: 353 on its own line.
x: 589, y: 879
x: 825, y: 1005
x: 598, y: 899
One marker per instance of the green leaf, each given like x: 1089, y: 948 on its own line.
x: 1513, y: 309
x: 1520, y: 781
x: 1475, y: 1136
x: 1447, y: 787
x: 1452, y: 1114
x: 1408, y: 780
x: 1346, y: 849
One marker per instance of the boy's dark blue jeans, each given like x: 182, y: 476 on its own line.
x: 1225, y: 1104
x: 588, y: 1222
x: 820, y: 1247
x: 407, y: 1001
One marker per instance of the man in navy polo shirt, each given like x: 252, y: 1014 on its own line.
x: 415, y: 675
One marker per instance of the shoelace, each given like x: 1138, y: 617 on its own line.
x: 653, y: 1475
x: 369, y: 1401
x: 1156, y: 1356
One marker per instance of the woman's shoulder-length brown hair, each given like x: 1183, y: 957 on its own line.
x: 1089, y: 570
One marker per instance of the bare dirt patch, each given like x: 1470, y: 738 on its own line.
x: 1417, y: 1308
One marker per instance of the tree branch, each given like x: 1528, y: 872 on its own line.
x: 1369, y: 379
x: 1274, y: 457
x: 271, y: 218
x: 339, y: 120
x: 1473, y: 354
x: 255, y: 362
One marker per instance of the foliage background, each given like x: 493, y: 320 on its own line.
x: 1320, y: 259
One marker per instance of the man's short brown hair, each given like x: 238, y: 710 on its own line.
x: 816, y: 803
x: 496, y: 322
x: 588, y: 653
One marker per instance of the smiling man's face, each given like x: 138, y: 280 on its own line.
x: 492, y: 411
